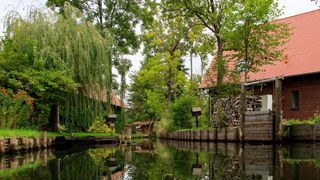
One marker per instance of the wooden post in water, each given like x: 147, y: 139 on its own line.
x: 278, y: 89
x: 243, y: 108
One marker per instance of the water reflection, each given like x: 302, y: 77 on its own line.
x: 168, y: 160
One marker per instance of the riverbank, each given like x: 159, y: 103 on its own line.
x: 266, y: 133
x: 24, y: 140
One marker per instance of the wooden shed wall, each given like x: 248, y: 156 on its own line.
x: 309, y: 91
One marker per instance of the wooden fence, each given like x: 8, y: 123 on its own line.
x: 217, y: 134
x: 259, y: 126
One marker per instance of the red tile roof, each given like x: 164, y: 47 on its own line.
x: 302, y: 51
x: 210, y: 78
x: 115, y: 100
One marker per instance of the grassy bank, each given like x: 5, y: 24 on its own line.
x: 37, y: 133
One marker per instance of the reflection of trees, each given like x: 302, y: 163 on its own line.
x: 80, y: 166
x: 164, y: 163
x: 141, y: 165
x: 101, y: 155
x: 224, y: 167
x: 182, y: 163
x: 91, y: 164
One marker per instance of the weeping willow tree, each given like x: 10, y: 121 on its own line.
x: 70, y: 46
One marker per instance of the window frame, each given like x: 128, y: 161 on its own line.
x: 295, y: 100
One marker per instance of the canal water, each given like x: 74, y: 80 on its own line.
x: 167, y: 160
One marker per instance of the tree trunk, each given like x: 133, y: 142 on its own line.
x: 109, y: 84
x: 54, y: 118
x: 100, y: 15
x: 169, y: 86
x: 220, y: 62
x: 122, y: 96
x: 243, y: 108
x: 278, y: 95
x: 191, y: 65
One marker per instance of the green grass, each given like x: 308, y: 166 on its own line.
x: 81, y: 134
x: 37, y: 133
x: 19, y: 132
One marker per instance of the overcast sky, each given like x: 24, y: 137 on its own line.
x: 291, y: 7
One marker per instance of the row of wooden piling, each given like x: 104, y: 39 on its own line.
x: 16, y: 144
x: 218, y: 134
x: 254, y: 132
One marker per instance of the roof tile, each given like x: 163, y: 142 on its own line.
x: 302, y: 50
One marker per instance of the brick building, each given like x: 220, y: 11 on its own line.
x: 299, y: 72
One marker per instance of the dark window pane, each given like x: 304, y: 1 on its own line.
x: 295, y: 100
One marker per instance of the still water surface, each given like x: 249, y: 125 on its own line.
x: 168, y: 160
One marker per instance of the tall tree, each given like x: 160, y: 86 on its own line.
x: 214, y: 15
x: 256, y: 38
x: 166, y: 40
x: 119, y: 18
x: 123, y: 66
x: 147, y: 92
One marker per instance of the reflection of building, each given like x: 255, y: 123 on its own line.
x: 116, y: 103
x: 144, y: 147
x: 118, y: 175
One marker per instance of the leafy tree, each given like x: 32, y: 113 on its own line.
x: 257, y: 39
x: 164, y: 47
x: 123, y: 66
x: 57, y: 61
x: 202, y: 45
x: 117, y: 17
x: 214, y: 15
x: 148, y: 85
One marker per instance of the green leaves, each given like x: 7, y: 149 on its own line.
x: 181, y: 112
x: 57, y: 59
x: 255, y: 38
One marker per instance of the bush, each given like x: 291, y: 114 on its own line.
x: 181, y: 112
x: 98, y: 126
x: 15, y: 109
x: 317, y: 119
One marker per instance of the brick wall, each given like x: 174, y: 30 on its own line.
x: 309, y: 90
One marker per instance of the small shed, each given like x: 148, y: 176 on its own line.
x: 143, y: 127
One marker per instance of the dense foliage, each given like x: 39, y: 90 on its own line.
x: 15, y: 109
x: 187, y: 28
x: 58, y: 61
x: 181, y: 112
x: 58, y: 64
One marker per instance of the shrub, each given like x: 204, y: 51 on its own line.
x: 15, y: 109
x: 181, y: 112
x: 317, y: 119
x: 98, y: 126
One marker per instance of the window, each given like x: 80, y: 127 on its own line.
x: 295, y: 100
